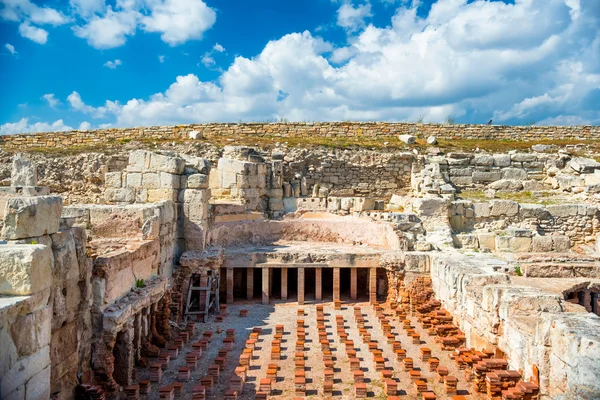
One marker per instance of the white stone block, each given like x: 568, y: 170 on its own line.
x: 150, y: 180
x: 113, y: 179
x: 163, y: 163
x: 25, y: 269
x: 197, y: 181
x: 24, y: 172
x: 139, y: 160
x: 24, y: 370
x: 124, y: 195
x: 134, y: 180
x: 31, y: 216
x: 169, y: 181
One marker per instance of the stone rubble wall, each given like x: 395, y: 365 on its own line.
x: 299, y: 130
x: 577, y: 223
x: 530, y: 326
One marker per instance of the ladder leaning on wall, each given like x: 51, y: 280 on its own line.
x: 203, y: 295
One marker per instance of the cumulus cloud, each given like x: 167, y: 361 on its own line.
x: 10, y: 48
x: 178, y: 20
x: 112, y: 64
x: 86, y: 8
x: 531, y: 60
x: 23, y: 126
x: 84, y: 126
x: 52, y: 101
x: 218, y: 48
x: 109, y: 30
x: 34, y: 33
x: 207, y: 60
x: 29, y: 15
x: 353, y: 18
x: 161, y: 59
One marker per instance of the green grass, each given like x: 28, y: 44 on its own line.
x: 544, y: 198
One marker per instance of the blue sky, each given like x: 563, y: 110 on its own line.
x: 85, y: 64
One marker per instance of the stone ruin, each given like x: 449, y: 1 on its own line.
x: 431, y: 295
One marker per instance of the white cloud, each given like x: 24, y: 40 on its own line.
x: 178, y: 20
x: 20, y: 10
x: 84, y: 126
x: 23, y: 126
x: 110, y: 30
x: 112, y: 64
x: 34, y: 33
x: 52, y: 101
x: 10, y: 48
x: 453, y: 62
x: 353, y: 18
x: 86, y: 8
x: 207, y: 60
x: 218, y: 48
x: 161, y: 59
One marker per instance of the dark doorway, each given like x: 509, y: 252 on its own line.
x: 345, y: 283
x: 327, y: 284
x: 239, y: 283
x: 382, y: 285
x: 257, y: 284
x: 310, y: 280
x: 362, y: 284
x: 275, y: 283
x: 293, y: 284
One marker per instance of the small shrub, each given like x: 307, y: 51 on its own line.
x: 33, y: 242
x: 518, y: 271
x: 449, y: 120
x: 139, y: 283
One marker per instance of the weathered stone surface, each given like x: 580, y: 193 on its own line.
x: 164, y: 163
x: 197, y: 181
x: 514, y: 174
x: 24, y: 171
x: 482, y: 176
x: 584, y: 165
x: 24, y: 370
x: 483, y: 160
x: 113, y: 179
x: 123, y: 195
x: 560, y: 210
x: 508, y: 185
x: 504, y: 208
x: 542, y: 244
x: 408, y: 139
x: 501, y: 160
x: 31, y: 216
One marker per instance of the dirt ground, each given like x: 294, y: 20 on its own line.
x: 267, y: 316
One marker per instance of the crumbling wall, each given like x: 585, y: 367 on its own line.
x: 578, y: 222
x: 530, y: 326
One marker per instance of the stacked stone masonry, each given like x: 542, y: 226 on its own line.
x: 317, y: 129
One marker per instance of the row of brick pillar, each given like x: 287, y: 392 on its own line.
x: 267, y: 283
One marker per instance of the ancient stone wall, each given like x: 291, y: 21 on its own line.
x: 580, y: 223
x: 529, y: 325
x: 317, y: 129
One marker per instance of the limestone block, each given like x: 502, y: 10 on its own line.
x: 24, y: 370
x: 195, y: 211
x: 164, y: 163
x: 276, y: 204
x: 123, y: 195
x: 563, y: 210
x: 486, y: 176
x: 141, y: 196
x: 31, y: 216
x: 520, y: 244
x: 561, y: 244
x: 150, y: 180
x: 481, y: 210
x: 66, y: 266
x: 113, y: 179
x: 483, y: 160
x: 523, y: 157
x: 138, y: 160
x: 169, y: 181
x: 195, y: 135
x: 155, y: 195
x: 503, y: 243
x: 466, y: 241
x: 346, y: 203
x: 542, y: 244
x: 461, y: 181
x: 24, y: 172
x: 536, y: 211
x: 196, y: 196
x: 432, y: 206
x: 514, y: 174
x: 134, y: 180
x: 461, y: 171
x: 312, y: 204
x: 487, y: 240
x: 504, y: 208
x: 228, y: 179
x: 519, y: 232
x: 335, y: 203
x: 432, y: 140
x: 275, y: 193
x: 408, y: 139
x: 584, y: 165
x: 151, y: 228
x: 31, y: 332
x: 501, y: 160
x: 363, y: 204
x: 197, y: 181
